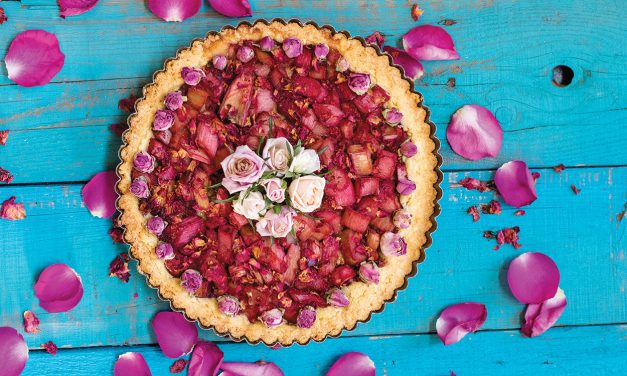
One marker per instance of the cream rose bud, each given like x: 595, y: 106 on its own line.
x: 251, y: 206
x: 306, y: 193
x: 274, y: 189
x: 277, y: 153
x: 306, y: 162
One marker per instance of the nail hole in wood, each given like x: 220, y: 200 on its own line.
x: 562, y: 75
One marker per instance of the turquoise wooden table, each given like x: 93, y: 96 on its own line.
x: 60, y: 138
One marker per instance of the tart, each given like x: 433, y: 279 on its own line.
x: 279, y: 182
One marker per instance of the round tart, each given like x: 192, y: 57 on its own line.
x: 279, y: 181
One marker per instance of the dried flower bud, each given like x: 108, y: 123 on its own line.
x: 272, y: 318
x: 359, y: 83
x: 292, y: 47
x: 245, y: 54
x: 266, y: 44
x: 321, y: 51
x: 402, y: 218
x: 156, y: 225
x: 393, y: 244
x: 409, y: 149
x: 306, y: 317
x: 173, y: 101
x: 369, y: 272
x: 165, y: 251
x: 342, y: 65
x: 337, y: 298
x: 405, y: 187
x: 392, y: 116
x: 192, y: 76
x: 219, y: 62
x: 191, y: 280
x: 229, y: 305
x: 139, y: 187
x: 144, y: 162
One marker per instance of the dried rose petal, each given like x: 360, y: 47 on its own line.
x: 474, y: 213
x: 174, y: 10
x: 402, y: 219
x: 12, y: 211
x: 3, y: 17
x: 272, y: 318
x: 31, y: 323
x: 519, y: 213
x: 176, y: 336
x: 505, y: 236
x: 232, y: 8
x: 131, y: 364
x: 428, y: 42
x: 14, y: 351
x: 5, y: 176
x: 353, y: 364
x: 99, y: 194
x: 118, y: 129
x: 266, y: 44
x: 540, y: 317
x: 559, y: 168
x: 127, y: 104
x: 321, y: 51
x: 369, y: 272
x: 292, y: 47
x: 229, y: 305
x: 206, y: 360
x: 474, y: 133
x: 412, y: 67
x: 192, y: 76
x: 119, y: 267
x: 337, y: 298
x: 165, y: 251
x: 69, y: 8
x: 376, y: 38
x: 535, y: 175
x: 306, y: 317
x: 219, y: 62
x: 156, y: 225
x: 116, y: 232
x: 50, y: 348
x: 494, y: 207
x: 574, y: 188
x: 515, y: 183
x: 4, y: 135
x: 416, y: 12
x: 472, y: 183
x: 58, y: 288
x: 139, y: 188
x: 259, y: 368
x: 409, y: 149
x: 191, y: 280
x: 342, y: 65
x: 178, y: 366
x: 533, y: 277
x: 359, y: 83
x: 458, y: 320
x: 405, y: 187
x: 34, y: 58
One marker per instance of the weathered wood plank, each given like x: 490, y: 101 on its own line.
x: 579, y: 232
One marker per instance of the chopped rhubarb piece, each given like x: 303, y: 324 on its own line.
x: 332, y: 218
x: 264, y: 57
x: 340, y: 188
x: 207, y: 138
x: 328, y: 114
x: 383, y: 224
x: 293, y: 255
x: 304, y: 227
x: 237, y: 220
x: 388, y: 199
x: 182, y: 233
x: 306, y: 86
x: 249, y: 235
x: 354, y: 253
x: 347, y: 127
x: 366, y: 186
x: 196, y: 97
x: 369, y: 206
x: 372, y: 240
x: 342, y: 275
x: 354, y: 220
x: 362, y: 161
x: 226, y: 236
x: 385, y: 165
x: 307, y: 298
x: 237, y: 99
x: 373, y: 100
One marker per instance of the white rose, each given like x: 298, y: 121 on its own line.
x: 251, y: 206
x: 306, y: 193
x: 277, y: 153
x: 305, y: 162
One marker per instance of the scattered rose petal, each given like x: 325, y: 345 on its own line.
x: 474, y: 133
x: 409, y: 149
x: 458, y: 320
x: 118, y: 129
x: 518, y: 213
x: 515, y: 183
x: 131, y: 364
x: 447, y: 22
x: 452, y: 374
x: 540, y: 317
x: 428, y: 42
x: 259, y: 368
x: 175, y: 10
x: 337, y: 298
x: 474, y: 213
x: 99, y: 194
x: 533, y: 277
x: 116, y: 232
x: 5, y: 176
x: 494, y: 207
x: 12, y: 211
x: 127, y: 104
x: 31, y: 323
x: 505, y: 236
x: 353, y: 364
x: 119, y: 267
x: 376, y: 38
x: 58, y: 288
x: 559, y: 168
x: 472, y: 183
x: 178, y: 366
x: 232, y: 8
x: 176, y: 336
x: 412, y: 67
x: 34, y: 58
x: 535, y: 175
x: 3, y: 17
x: 206, y: 360
x: 4, y: 135
x: 416, y: 12
x: 69, y: 8
x: 50, y: 348
x: 14, y: 351
x: 575, y: 190
x: 451, y: 82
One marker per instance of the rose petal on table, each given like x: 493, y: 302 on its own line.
x: 533, y: 277
x: 12, y: 211
x: 250, y: 369
x: 206, y: 360
x: 31, y: 322
x: 412, y: 67
x: 515, y: 183
x: 58, y: 288
x: 4, y: 136
x: 428, y: 42
x: 34, y: 58
x: 131, y: 364
x: 50, y: 347
x: 474, y: 133
x: 69, y: 8
x: 176, y: 336
x: 99, y: 194
x: 353, y: 364
x: 232, y: 8
x: 540, y: 317
x: 13, y: 351
x: 458, y: 320
x: 174, y: 10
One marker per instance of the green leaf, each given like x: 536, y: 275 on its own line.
x: 270, y: 126
x: 215, y: 185
x: 263, y: 139
x: 232, y: 198
x: 276, y: 209
x: 323, y: 149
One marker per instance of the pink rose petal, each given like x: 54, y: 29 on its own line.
x: 31, y: 323
x: 428, y: 42
x: 540, y: 317
x: 353, y: 364
x: 458, y: 320
x: 412, y: 67
x: 58, y: 288
x: 206, y: 360
x: 69, y: 8
x: 515, y: 183
x: 533, y: 278
x: 250, y: 369
x: 174, y: 10
x: 99, y: 194
x: 50, y: 347
x: 131, y: 364
x: 11, y: 211
x: 474, y: 133
x: 34, y: 58
x: 232, y: 8
x: 13, y: 350
x: 176, y: 335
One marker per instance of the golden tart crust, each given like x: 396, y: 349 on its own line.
x: 423, y: 169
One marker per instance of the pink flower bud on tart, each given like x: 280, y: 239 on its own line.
x: 321, y: 51
x: 164, y: 119
x: 245, y: 54
x: 359, y: 83
x: 267, y: 44
x: 173, y: 101
x: 342, y: 65
x: 165, y: 251
x: 369, y: 272
x: 156, y: 225
x: 144, y: 162
x: 409, y: 149
x: 219, y: 62
x: 191, y: 280
x: 228, y: 304
x: 192, y: 76
x: 272, y: 318
x: 337, y: 298
x: 402, y: 219
x: 139, y: 187
x: 393, y: 244
x: 392, y: 116
x: 292, y: 47
x: 306, y: 317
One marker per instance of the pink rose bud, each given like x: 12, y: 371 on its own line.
x: 192, y: 76
x: 359, y: 83
x: 165, y: 251
x: 292, y: 47
x: 266, y: 44
x: 156, y: 225
x: 229, y: 305
x: 219, y: 62
x: 342, y: 65
x: 274, y: 189
x: 306, y: 317
x: 174, y: 100
x: 393, y: 244
x: 392, y: 116
x: 139, y: 187
x: 405, y: 187
x: 321, y: 51
x: 191, y: 280
x: 245, y: 54
x: 164, y: 119
x: 337, y: 298
x: 409, y: 149
x: 144, y: 162
x: 369, y: 272
x: 272, y: 318
x: 402, y: 218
